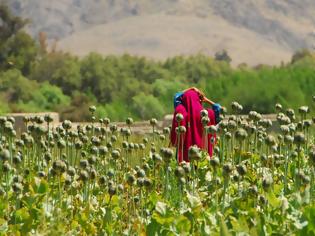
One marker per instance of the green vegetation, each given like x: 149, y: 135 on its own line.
x: 96, y: 179
x: 34, y: 77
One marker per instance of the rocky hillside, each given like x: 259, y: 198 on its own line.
x: 253, y: 31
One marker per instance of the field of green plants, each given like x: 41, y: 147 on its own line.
x: 101, y: 180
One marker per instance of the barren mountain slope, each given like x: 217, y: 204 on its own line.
x: 253, y: 31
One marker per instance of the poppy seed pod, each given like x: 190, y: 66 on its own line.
x: 166, y: 130
x: 299, y: 138
x: 212, y: 129
x: 240, y: 134
x: 140, y: 182
x: 4, y: 155
x: 112, y: 190
x: 312, y: 156
x: 41, y: 174
x: 92, y: 160
x: 103, y: 150
x: 232, y: 125
x: 215, y: 162
x: 179, y: 172
x: 182, y: 129
x: 6, y: 167
x: 106, y: 121
x: 84, y: 175
x: 111, y: 173
x: 241, y: 169
x: 267, y: 182
x: 17, y: 187
x: 288, y: 139
x: 84, y: 164
x: 129, y: 121
x: 131, y: 179
x: 92, y: 109
x: 194, y: 153
x: 262, y: 200
x: 93, y: 150
x: 102, y: 180
x: 270, y: 140
x: 59, y: 166
x: 17, y: 179
x: 203, y: 113
x: 236, y: 177
x: 304, y: 110
x: 253, y: 190
x: 307, y: 123
x: 92, y: 174
x: 66, y: 124
x: 227, y: 169
x: 113, y: 128
x: 71, y: 171
x: 140, y: 173
x: 278, y: 107
x: 153, y: 122
x: 205, y: 120
x: 179, y: 117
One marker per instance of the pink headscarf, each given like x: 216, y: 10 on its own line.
x: 190, y: 109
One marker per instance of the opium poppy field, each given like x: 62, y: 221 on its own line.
x: 98, y: 179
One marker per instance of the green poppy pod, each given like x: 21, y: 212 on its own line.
x: 236, y: 177
x: 103, y: 150
x: 92, y: 109
x: 304, y: 110
x: 96, y: 141
x: 162, y: 137
x: 106, y: 121
x: 270, y: 140
x: 17, y: 160
x: 153, y: 122
x: 140, y: 173
x: 204, y: 113
x: 131, y: 179
x: 227, y: 169
x: 146, y: 167
x: 113, y: 128
x: 120, y: 187
x: 115, y: 154
x: 299, y: 138
x: 290, y: 113
x: 166, y: 130
x: 41, y: 174
x: 92, y: 174
x: 240, y: 134
x: 278, y: 107
x: 253, y: 190
x: 6, y: 167
x: 232, y: 125
x: 267, y: 182
x: 111, y: 173
x: 17, y: 179
x: 215, y: 162
x: 48, y: 118
x: 140, y: 182
x: 194, y: 153
x: 312, y: 156
x: 241, y: 169
x: 145, y: 140
x: 234, y: 106
x: 284, y: 129
x: 205, y: 120
x: 17, y: 187
x: 4, y: 155
x: 102, y: 180
x: 262, y: 200
x: 66, y: 124
x: 129, y: 121
x: 147, y: 182
x: 288, y: 139
x: 61, y: 144
x: 186, y: 167
x: 228, y: 135
x: 179, y: 117
x: 307, y: 123
x: 92, y: 160
x: 84, y: 175
x: 212, y: 129
x: 84, y: 164
x: 179, y: 172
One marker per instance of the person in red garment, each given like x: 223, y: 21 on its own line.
x: 188, y: 105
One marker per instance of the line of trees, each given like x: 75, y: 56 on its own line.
x: 34, y: 78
